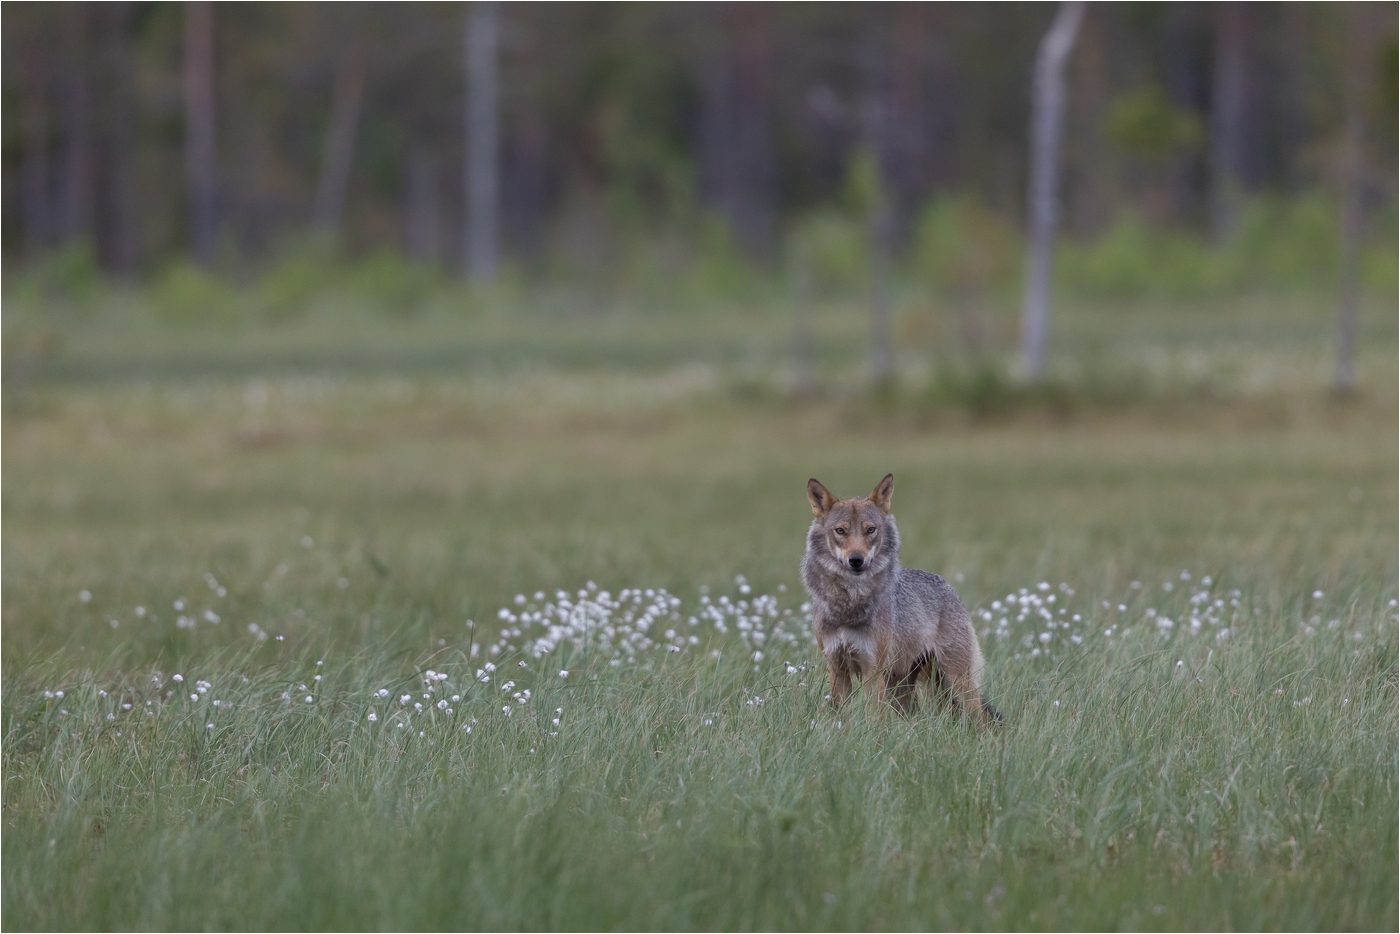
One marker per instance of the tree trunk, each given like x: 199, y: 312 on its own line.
x: 1227, y: 118
x: 424, y: 232
x: 801, y: 272
x: 120, y: 235
x: 1357, y: 80
x: 199, y: 128
x: 1047, y: 121
x: 34, y: 125
x: 881, y: 314
x: 483, y: 130
x: 738, y: 171
x: 76, y: 205
x: 339, y: 151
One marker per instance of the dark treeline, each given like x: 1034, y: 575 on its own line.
x: 153, y: 131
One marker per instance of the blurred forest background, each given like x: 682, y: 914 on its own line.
x: 244, y: 165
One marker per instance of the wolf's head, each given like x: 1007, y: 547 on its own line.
x: 853, y: 536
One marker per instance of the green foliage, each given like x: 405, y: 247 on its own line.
x: 1280, y: 245
x: 834, y: 248
x: 296, y: 278
x: 963, y: 249
x: 69, y: 278
x: 863, y: 191
x: 1145, y: 124
x: 392, y: 285
x: 1130, y: 258
x: 186, y: 295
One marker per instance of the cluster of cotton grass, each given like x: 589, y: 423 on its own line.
x: 636, y: 624
x: 539, y: 638
x: 1041, y: 621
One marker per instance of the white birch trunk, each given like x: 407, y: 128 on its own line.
x: 1047, y: 125
x: 1359, y: 56
x: 1227, y: 120
x: 339, y: 151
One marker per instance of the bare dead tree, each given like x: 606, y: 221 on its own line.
x: 737, y: 168
x: 1047, y: 123
x: 75, y: 213
x: 339, y: 151
x: 120, y: 236
x: 423, y: 228
x: 1356, y: 87
x: 801, y: 272
x: 482, y: 181
x: 1227, y: 117
x: 881, y: 233
x: 199, y: 127
x: 34, y: 126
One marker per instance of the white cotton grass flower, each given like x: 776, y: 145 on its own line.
x: 177, y: 678
x: 1317, y: 595
x: 404, y: 699
x: 442, y: 705
x: 194, y: 697
x: 85, y: 596
x: 563, y: 672
x: 310, y: 699
x: 373, y: 717
x: 382, y: 692
x: 179, y: 605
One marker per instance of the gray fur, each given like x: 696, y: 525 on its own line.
x: 879, y: 621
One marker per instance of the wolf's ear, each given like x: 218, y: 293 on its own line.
x: 821, y: 498
x: 881, y: 496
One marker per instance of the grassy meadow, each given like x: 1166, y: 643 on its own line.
x: 287, y: 608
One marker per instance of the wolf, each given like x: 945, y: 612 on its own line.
x: 879, y: 622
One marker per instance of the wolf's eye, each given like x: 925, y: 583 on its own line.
x: 839, y: 530
x: 870, y: 530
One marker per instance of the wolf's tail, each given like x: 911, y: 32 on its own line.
x: 991, y: 712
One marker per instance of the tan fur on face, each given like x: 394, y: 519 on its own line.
x: 853, y: 528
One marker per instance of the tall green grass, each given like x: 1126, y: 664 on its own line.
x: 366, y: 521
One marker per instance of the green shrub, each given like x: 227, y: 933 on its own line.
x: 834, y: 247
x: 186, y: 295
x: 67, y: 277
x: 388, y: 283
x: 296, y: 279
x: 961, y: 248
x: 1130, y: 259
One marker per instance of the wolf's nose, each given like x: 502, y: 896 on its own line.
x: 857, y: 562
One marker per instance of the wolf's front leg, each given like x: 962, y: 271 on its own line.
x: 840, y: 682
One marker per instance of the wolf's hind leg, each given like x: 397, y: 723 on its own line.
x: 902, y: 688
x: 964, y: 692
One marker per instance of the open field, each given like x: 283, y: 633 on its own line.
x: 1235, y: 769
